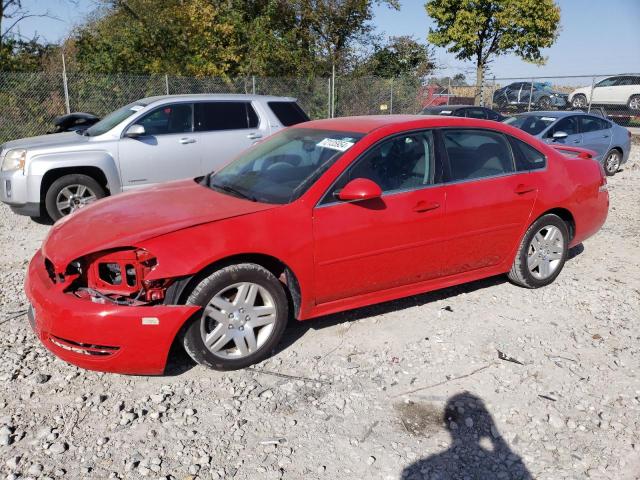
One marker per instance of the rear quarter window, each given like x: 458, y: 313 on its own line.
x: 527, y: 158
x: 288, y: 113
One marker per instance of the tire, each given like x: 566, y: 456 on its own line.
x: 611, y: 162
x: 226, y: 321
x: 551, y: 251
x: 634, y: 103
x: 500, y: 102
x: 579, y: 101
x: 79, y: 189
x: 544, y: 103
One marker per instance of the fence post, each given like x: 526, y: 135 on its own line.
x: 391, y: 99
x: 449, y: 91
x: 593, y: 82
x: 530, y: 95
x: 333, y: 90
x: 166, y: 82
x: 253, y: 84
x: 65, y: 85
x: 493, y: 91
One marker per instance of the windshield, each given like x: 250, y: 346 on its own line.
x: 281, y: 168
x: 532, y: 124
x: 114, y: 118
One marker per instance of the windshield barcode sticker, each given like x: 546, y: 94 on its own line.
x: 548, y: 119
x: 334, y: 144
x: 137, y: 108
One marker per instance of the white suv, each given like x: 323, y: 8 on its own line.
x: 618, y: 90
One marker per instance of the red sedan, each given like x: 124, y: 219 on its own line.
x: 325, y: 216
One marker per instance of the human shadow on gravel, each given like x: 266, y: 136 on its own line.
x: 295, y: 330
x: 477, y: 449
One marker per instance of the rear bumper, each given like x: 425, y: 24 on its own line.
x: 104, y: 337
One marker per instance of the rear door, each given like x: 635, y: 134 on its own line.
x: 596, y: 133
x: 167, y: 151
x: 488, y: 200
x: 224, y: 129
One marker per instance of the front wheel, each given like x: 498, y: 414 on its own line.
x: 70, y: 193
x: 612, y: 162
x: 634, y: 103
x: 544, y: 103
x: 542, y: 253
x: 579, y: 101
x: 244, y: 314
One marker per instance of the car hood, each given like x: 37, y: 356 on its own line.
x: 53, y: 140
x: 130, y: 218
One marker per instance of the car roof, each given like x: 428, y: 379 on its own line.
x: 450, y: 107
x: 553, y: 113
x: 368, y: 123
x: 216, y: 96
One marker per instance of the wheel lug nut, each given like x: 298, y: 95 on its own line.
x: 242, y: 310
x: 230, y: 315
x: 240, y: 328
x: 247, y: 318
x: 230, y: 327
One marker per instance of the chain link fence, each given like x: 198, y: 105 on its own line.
x: 29, y: 102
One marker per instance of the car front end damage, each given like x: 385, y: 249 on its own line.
x: 100, y: 313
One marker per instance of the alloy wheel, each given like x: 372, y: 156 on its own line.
x: 579, y: 101
x: 634, y: 103
x: 238, y: 320
x: 74, y: 197
x: 612, y: 162
x: 545, y: 252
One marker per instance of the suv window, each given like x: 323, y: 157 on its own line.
x: 607, y: 82
x: 400, y: 163
x: 624, y: 81
x: 216, y: 116
x: 289, y: 113
x: 172, y: 118
x: 592, y: 124
x: 477, y: 154
x: 568, y: 125
x: 527, y: 157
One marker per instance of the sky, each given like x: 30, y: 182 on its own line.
x: 597, y: 37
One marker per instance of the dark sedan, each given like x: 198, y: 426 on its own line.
x: 522, y: 94
x: 469, y: 111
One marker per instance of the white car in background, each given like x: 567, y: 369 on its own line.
x: 618, y: 90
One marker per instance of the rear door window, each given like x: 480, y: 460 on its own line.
x: 288, y: 113
x: 592, y: 124
x: 216, y: 116
x: 477, y: 154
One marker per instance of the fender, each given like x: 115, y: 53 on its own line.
x: 40, y: 164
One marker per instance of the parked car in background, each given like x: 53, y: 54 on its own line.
x: 517, y: 95
x: 152, y: 140
x: 323, y: 217
x: 469, y: 111
x: 74, y: 122
x: 610, y: 141
x: 617, y: 90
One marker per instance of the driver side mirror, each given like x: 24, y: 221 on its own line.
x: 360, y: 189
x: 134, y: 131
x: 560, y: 135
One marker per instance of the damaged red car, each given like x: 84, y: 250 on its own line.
x: 325, y: 216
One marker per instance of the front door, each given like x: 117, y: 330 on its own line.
x: 488, y: 202
x: 398, y: 239
x: 568, y: 125
x: 167, y: 151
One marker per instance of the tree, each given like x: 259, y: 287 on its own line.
x: 481, y: 30
x: 401, y: 56
x: 12, y: 13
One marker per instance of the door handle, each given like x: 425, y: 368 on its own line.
x: 522, y: 188
x: 605, y: 136
x: 254, y: 136
x: 186, y: 140
x: 423, y: 206
x: 576, y: 141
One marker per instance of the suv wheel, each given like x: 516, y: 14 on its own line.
x: 544, y: 103
x: 244, y: 314
x: 579, y: 101
x: 70, y: 193
x: 542, y: 253
x: 634, y: 103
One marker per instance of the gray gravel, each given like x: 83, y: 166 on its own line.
x: 407, y: 390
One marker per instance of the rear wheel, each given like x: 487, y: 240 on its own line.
x: 70, y: 193
x: 634, y: 103
x: 544, y: 103
x: 611, y: 162
x: 542, y: 253
x: 244, y: 314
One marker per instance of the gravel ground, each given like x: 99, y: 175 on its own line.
x: 406, y: 390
